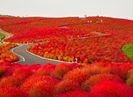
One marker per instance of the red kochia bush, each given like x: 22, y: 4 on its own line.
x: 3, y: 70
x: 130, y: 72
x: 10, y: 81
x: 98, y: 78
x: 111, y: 89
x: 60, y: 70
x: 129, y: 81
x: 125, y: 68
x: 64, y: 80
x: 47, y: 69
x: 65, y: 86
x: 76, y: 93
x: 22, y: 73
x: 77, y: 75
x: 12, y: 92
x: 106, y: 67
x: 75, y: 65
x: 41, y: 86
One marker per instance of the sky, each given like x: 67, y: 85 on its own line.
x: 65, y: 8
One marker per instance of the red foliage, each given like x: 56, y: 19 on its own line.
x: 92, y: 40
x: 76, y: 93
x: 61, y: 70
x: 12, y: 92
x: 42, y: 86
x: 129, y: 81
x: 6, y: 55
x: 111, y: 89
x: 94, y: 79
x: 99, y: 79
x: 10, y: 81
x: 77, y: 75
x: 47, y: 69
x: 3, y: 69
x: 66, y: 85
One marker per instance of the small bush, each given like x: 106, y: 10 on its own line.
x: 77, y: 75
x: 41, y: 86
x: 65, y: 86
x: 98, y: 78
x: 129, y: 81
x: 10, y: 82
x: 46, y: 69
x: 111, y: 89
x: 60, y: 70
x: 12, y: 92
x: 76, y: 93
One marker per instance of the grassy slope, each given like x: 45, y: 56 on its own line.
x: 128, y: 50
x: 2, y: 36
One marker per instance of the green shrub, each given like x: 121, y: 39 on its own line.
x: 128, y: 50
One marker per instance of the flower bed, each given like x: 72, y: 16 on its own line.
x: 6, y: 55
x: 89, y: 42
x: 66, y: 80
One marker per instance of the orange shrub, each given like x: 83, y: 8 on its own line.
x: 6, y: 55
x: 10, y: 81
x: 61, y: 70
x: 65, y: 86
x: 12, y: 92
x: 46, y: 69
x: 75, y: 93
x: 94, y: 79
x: 42, y: 86
x: 3, y: 70
x: 77, y: 75
x: 129, y: 81
x: 111, y: 89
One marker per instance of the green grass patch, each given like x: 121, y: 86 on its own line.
x: 2, y: 36
x: 128, y: 50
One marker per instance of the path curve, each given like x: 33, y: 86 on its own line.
x: 28, y: 58
x: 25, y: 57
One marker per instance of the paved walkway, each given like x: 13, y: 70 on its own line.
x: 28, y: 58
x: 23, y: 54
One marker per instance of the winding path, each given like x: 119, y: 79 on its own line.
x: 29, y: 58
x: 25, y: 57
